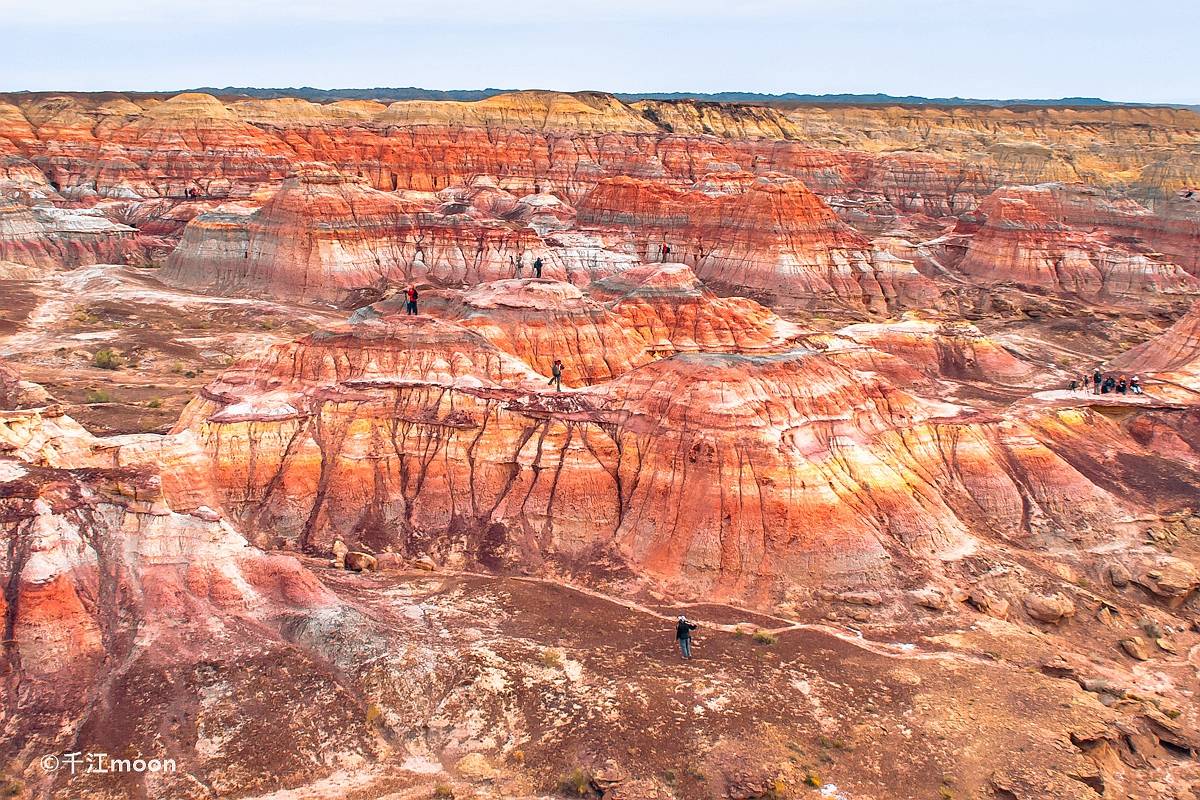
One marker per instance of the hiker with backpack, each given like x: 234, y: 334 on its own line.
x: 683, y: 635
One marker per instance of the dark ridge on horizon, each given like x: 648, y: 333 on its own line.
x: 394, y: 94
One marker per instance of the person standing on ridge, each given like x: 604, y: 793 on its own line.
x: 556, y: 375
x: 1097, y: 380
x: 410, y: 305
x: 683, y: 635
x: 666, y: 251
x: 537, y: 267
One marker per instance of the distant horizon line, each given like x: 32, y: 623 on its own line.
x: 399, y: 94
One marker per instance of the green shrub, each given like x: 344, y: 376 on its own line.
x: 155, y: 403
x: 576, y: 782
x: 765, y: 637
x: 106, y: 359
x: 443, y: 792
x: 93, y: 396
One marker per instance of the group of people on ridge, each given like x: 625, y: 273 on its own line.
x: 1101, y: 383
x: 518, y: 263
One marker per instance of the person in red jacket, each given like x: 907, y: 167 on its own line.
x: 410, y: 305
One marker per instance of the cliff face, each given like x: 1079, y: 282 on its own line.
x: 545, y: 477
x: 716, y: 475
x: 141, y: 631
x: 126, y: 619
x: 50, y: 237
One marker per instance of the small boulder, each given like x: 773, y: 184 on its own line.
x: 339, y: 553
x: 205, y: 513
x: 929, y: 597
x: 1151, y: 628
x: 987, y: 603
x: 425, y: 563
x: 474, y: 766
x: 1105, y: 686
x: 1135, y: 648
x: 1050, y: 609
x: 389, y: 561
x: 1167, y: 646
x: 609, y: 777
x: 1171, y: 579
x: 1118, y: 575
x: 358, y: 562
x: 860, y: 598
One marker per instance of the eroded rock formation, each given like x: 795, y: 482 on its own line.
x: 1020, y: 243
x: 871, y: 483
x: 325, y: 235
x: 771, y: 238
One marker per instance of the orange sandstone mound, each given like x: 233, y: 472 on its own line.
x: 714, y: 475
x: 1171, y: 359
x: 1171, y: 224
x: 50, y: 237
x: 958, y: 351
x: 539, y: 321
x: 124, y: 615
x: 620, y: 323
x: 325, y: 235
x: 673, y: 312
x: 1020, y: 243
x: 770, y: 238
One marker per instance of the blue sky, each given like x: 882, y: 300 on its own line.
x: 1116, y: 49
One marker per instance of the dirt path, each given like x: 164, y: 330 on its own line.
x: 849, y: 636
